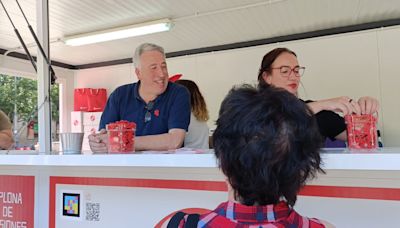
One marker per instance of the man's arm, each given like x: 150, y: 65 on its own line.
x: 168, y: 141
x: 6, y: 139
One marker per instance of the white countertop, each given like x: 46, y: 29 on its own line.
x: 384, y: 159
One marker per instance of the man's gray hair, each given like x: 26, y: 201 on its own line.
x: 143, y: 48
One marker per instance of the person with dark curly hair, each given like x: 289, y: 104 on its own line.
x: 267, y: 144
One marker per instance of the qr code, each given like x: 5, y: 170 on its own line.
x: 92, y: 211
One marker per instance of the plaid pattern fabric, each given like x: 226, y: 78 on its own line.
x: 234, y: 215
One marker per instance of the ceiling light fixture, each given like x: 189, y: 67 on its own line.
x: 119, y: 33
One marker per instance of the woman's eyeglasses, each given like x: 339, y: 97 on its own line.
x: 149, y: 107
x: 286, y: 71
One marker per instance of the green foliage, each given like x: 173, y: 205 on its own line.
x: 23, y: 92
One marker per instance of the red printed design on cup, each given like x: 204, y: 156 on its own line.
x: 361, y: 131
x: 121, y: 136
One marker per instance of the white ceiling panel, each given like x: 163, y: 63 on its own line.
x: 197, y: 24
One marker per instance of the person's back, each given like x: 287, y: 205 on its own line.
x: 267, y: 144
x: 198, y: 132
x: 197, y: 135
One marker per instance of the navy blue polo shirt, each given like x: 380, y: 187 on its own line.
x: 171, y: 109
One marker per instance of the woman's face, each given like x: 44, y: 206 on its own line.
x: 283, y: 73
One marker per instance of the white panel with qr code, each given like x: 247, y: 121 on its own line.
x: 128, y: 207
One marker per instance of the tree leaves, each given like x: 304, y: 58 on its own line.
x: 23, y: 92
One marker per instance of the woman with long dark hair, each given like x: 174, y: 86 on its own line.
x: 198, y: 133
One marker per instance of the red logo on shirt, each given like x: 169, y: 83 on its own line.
x: 156, y: 112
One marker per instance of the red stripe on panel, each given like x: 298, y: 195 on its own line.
x: 351, y: 192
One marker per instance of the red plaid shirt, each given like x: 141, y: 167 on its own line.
x: 234, y: 215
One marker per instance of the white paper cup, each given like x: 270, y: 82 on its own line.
x: 71, y: 143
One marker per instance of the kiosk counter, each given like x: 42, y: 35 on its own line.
x: 138, y: 190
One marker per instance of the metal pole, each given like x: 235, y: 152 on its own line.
x: 44, y: 117
x: 16, y: 127
x: 43, y: 73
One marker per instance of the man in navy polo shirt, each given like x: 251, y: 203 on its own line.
x: 160, y: 109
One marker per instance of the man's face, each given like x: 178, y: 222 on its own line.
x: 152, y: 73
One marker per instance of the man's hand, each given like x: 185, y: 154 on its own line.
x: 98, y: 142
x: 162, y: 142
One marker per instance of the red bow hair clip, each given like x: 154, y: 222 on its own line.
x: 175, y: 77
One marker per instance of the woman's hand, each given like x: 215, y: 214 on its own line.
x: 346, y: 105
x: 342, y: 104
x: 368, y: 105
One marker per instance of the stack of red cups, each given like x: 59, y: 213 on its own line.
x: 361, y: 131
x: 121, y: 137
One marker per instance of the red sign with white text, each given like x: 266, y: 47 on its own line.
x: 17, y: 194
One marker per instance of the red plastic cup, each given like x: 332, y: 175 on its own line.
x: 361, y: 131
x: 121, y: 137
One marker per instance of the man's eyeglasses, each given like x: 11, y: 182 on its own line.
x: 286, y: 70
x: 149, y: 108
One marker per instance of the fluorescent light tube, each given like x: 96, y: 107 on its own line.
x: 119, y: 33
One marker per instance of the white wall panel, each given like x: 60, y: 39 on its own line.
x: 339, y: 65
x: 105, y: 77
x: 389, y: 59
